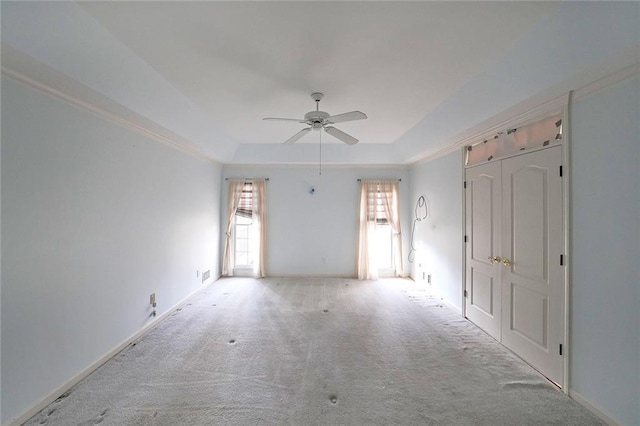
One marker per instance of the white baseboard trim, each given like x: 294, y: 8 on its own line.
x: 313, y: 276
x: 35, y: 409
x: 351, y: 276
x: 594, y: 408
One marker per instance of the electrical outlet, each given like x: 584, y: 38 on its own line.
x: 152, y: 300
x: 423, y: 275
x: 429, y: 278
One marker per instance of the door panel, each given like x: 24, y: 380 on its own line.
x: 529, y: 304
x: 482, y: 290
x: 483, y: 200
x: 532, y: 240
x: 528, y: 188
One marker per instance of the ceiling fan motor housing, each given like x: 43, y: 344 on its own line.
x: 316, y: 119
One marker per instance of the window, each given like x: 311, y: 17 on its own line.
x: 242, y: 243
x: 383, y: 249
x: 379, y: 240
x: 244, y: 239
x: 243, y: 230
x: 381, y: 243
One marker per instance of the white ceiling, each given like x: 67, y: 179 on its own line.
x: 242, y: 61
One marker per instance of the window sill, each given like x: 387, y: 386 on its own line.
x: 243, y: 271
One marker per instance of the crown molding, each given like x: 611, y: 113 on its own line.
x: 524, y: 113
x: 229, y: 166
x: 102, y: 113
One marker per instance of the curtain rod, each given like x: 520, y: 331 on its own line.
x: 247, y: 178
x: 360, y: 180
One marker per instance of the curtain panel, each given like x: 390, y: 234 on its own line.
x: 259, y: 223
x: 233, y: 201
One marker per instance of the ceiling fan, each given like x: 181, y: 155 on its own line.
x: 318, y: 120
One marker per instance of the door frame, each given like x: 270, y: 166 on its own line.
x: 561, y: 105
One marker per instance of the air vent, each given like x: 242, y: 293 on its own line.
x: 206, y: 275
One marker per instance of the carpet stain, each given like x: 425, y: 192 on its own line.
x: 232, y: 342
x: 325, y: 311
x: 63, y: 396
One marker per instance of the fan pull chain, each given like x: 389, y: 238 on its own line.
x: 320, y: 163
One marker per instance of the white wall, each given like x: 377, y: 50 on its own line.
x: 302, y: 229
x: 438, y: 239
x: 0, y: 262
x: 605, y: 290
x: 94, y: 219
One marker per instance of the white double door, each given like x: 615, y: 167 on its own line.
x: 514, y: 276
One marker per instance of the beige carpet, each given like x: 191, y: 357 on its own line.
x: 282, y: 351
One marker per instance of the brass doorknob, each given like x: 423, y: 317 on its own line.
x: 506, y: 262
x: 496, y: 259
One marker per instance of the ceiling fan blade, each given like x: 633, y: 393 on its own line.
x: 347, y: 116
x: 339, y: 134
x: 297, y: 120
x: 297, y: 136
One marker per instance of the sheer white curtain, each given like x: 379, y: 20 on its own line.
x: 233, y: 201
x: 365, y: 233
x: 391, y: 204
x: 379, y: 204
x: 259, y: 224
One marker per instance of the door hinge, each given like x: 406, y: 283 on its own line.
x: 466, y: 239
x: 560, y: 171
x: 464, y: 184
x: 562, y: 260
x: 465, y: 293
x: 560, y: 349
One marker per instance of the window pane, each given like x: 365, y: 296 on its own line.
x: 382, y: 248
x: 241, y: 231
x: 243, y: 220
x: 242, y: 245
x: 241, y: 258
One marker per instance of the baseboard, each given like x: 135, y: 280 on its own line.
x: 35, y: 409
x: 313, y: 276
x: 350, y: 276
x: 594, y: 408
